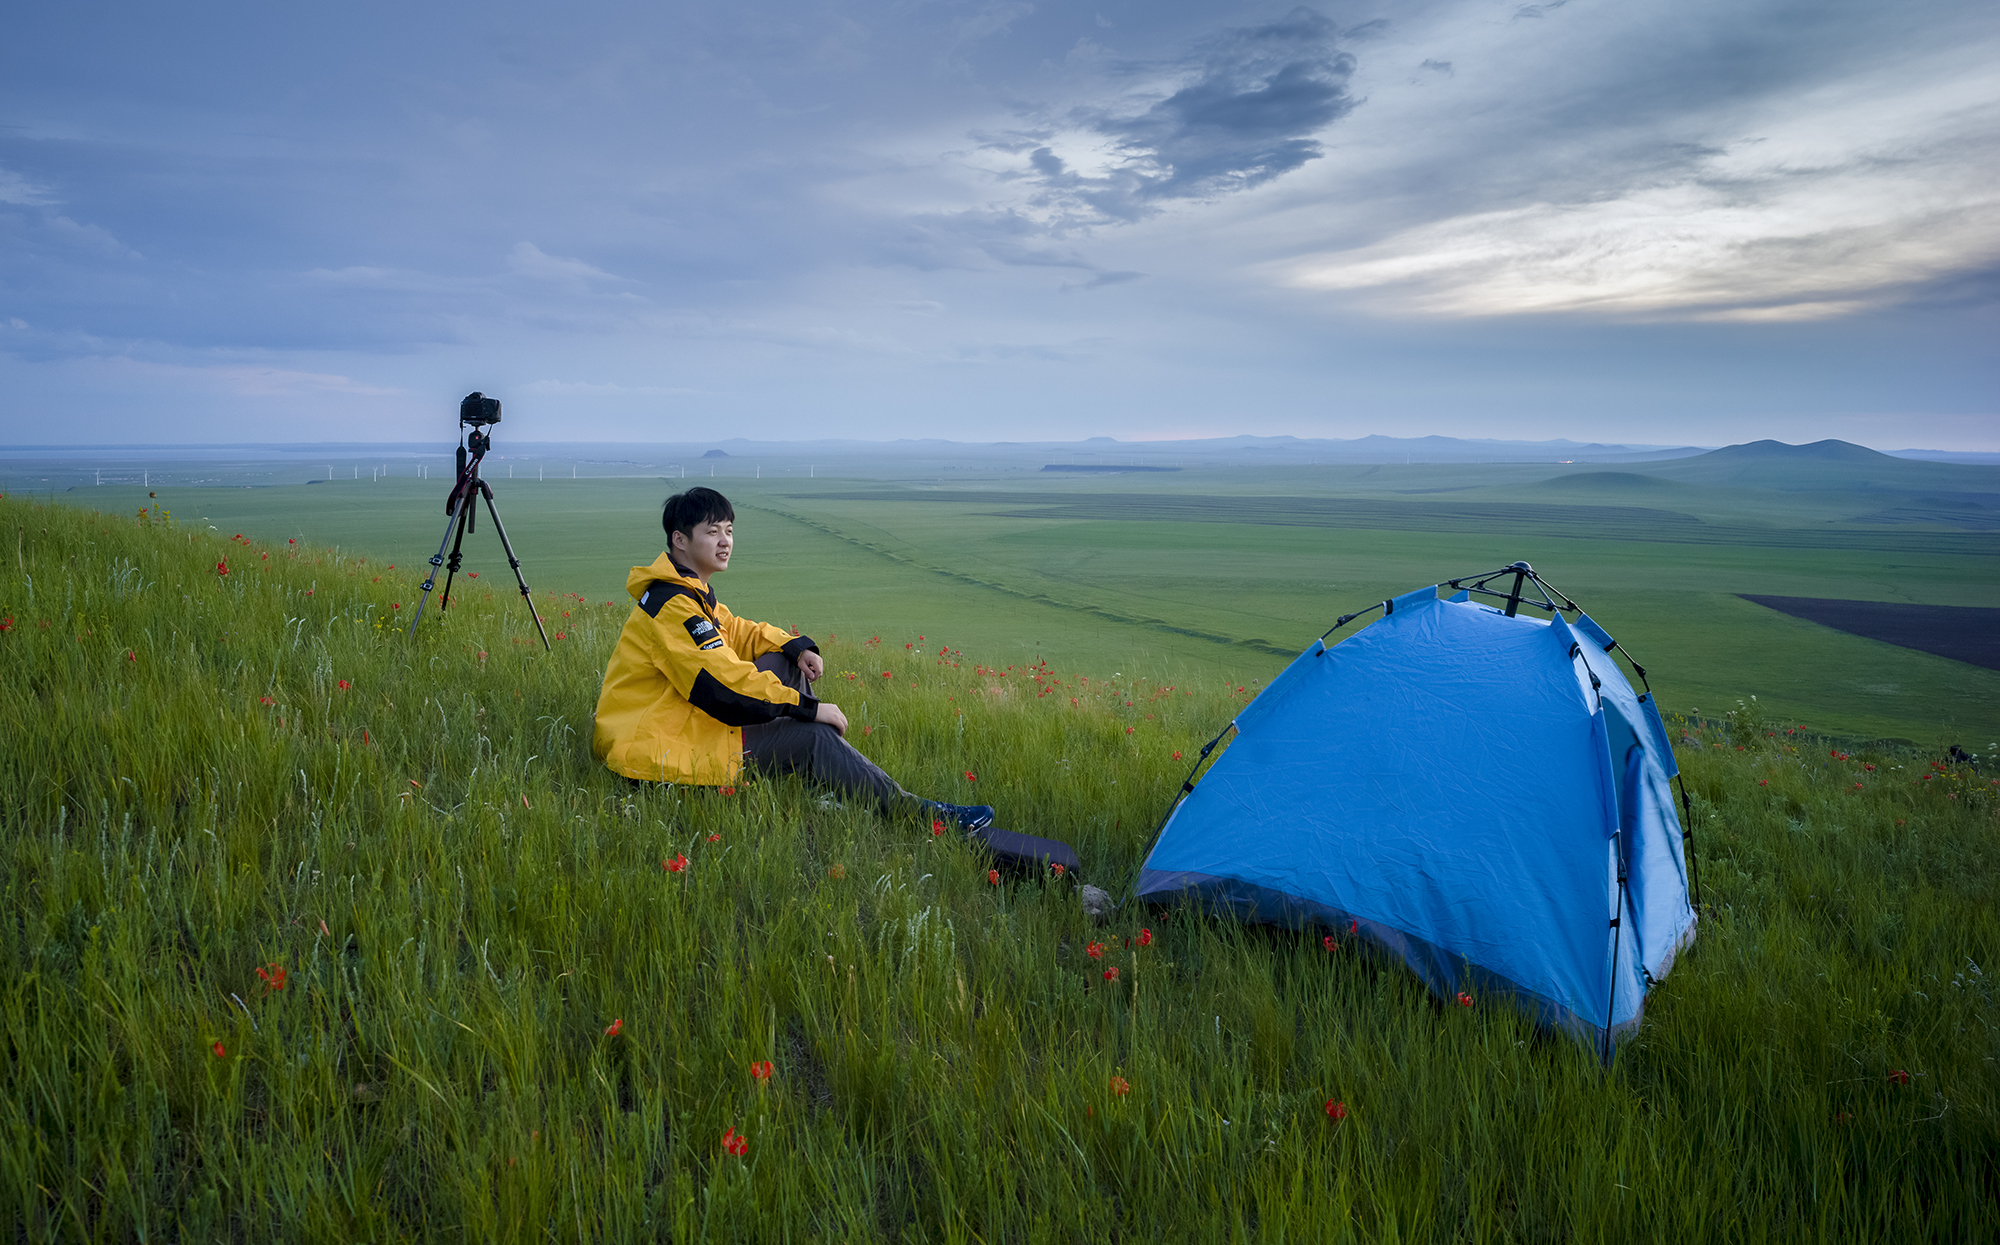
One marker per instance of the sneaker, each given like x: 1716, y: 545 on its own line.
x: 968, y: 816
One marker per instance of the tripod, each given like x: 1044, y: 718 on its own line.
x: 460, y: 509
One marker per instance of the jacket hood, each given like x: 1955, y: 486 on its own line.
x: 662, y: 568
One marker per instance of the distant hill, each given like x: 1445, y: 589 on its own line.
x: 1828, y: 466
x: 1608, y: 481
x: 1828, y: 451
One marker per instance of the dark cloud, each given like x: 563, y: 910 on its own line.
x: 1100, y: 280
x: 1254, y: 98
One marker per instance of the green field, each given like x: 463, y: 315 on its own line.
x: 1223, y: 574
x: 319, y: 933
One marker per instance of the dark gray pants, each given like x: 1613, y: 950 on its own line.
x: 815, y: 750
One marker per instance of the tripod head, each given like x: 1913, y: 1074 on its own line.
x: 475, y: 411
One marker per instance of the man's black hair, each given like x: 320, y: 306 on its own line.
x: 687, y: 511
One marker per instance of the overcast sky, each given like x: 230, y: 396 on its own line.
x: 1705, y: 221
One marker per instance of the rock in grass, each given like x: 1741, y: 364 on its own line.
x: 1097, y: 903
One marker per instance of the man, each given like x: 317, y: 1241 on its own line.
x: 694, y: 692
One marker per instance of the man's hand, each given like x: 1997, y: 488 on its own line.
x: 811, y: 666
x: 830, y: 714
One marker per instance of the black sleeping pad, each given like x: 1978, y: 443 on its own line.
x: 1024, y: 855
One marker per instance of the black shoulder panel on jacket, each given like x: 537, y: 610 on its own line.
x: 661, y: 591
x: 729, y: 707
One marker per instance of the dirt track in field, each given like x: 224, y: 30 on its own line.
x: 1964, y: 633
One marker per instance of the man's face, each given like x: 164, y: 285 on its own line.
x: 705, y: 551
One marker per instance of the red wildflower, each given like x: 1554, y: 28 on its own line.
x: 1336, y: 1110
x: 130, y: 655
x: 1145, y: 937
x: 1056, y: 868
x: 274, y: 977
x: 715, y: 838
x: 222, y: 567
x: 1111, y: 974
x: 993, y: 876
x: 1329, y: 943
x: 1900, y: 1077
x: 615, y: 1028
x: 1763, y: 782
x: 395, y: 605
x: 7, y: 623
x: 1464, y: 999
x: 1120, y: 1086
x: 937, y: 828
x: 1095, y: 950
x: 561, y: 636
x: 344, y: 685
x: 1177, y: 756
x: 472, y: 574
x: 678, y: 863
x: 729, y: 791
x: 734, y: 1144
x: 219, y: 1052
x: 1128, y: 730
x: 888, y: 674
x: 1869, y: 768
x: 364, y: 736
x: 971, y: 777
x: 762, y: 1071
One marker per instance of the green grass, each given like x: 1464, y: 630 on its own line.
x: 206, y: 776
x: 1223, y: 575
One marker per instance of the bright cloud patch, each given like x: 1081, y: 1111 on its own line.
x: 1832, y: 210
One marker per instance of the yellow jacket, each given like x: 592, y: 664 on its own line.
x: 681, y: 687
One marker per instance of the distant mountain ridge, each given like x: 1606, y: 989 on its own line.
x: 1832, y: 465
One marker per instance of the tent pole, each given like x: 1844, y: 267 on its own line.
x: 1687, y: 839
x: 1189, y: 784
x: 1687, y: 806
x: 1617, y: 938
x: 1343, y: 620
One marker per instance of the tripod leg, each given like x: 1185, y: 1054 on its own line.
x: 487, y: 492
x: 451, y: 566
x: 453, y: 519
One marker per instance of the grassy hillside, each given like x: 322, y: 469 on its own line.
x: 316, y: 932
x: 1222, y: 575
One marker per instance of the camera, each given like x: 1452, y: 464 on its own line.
x: 477, y: 409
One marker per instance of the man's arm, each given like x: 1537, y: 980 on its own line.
x: 705, y: 669
x: 752, y: 640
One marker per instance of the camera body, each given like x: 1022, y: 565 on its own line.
x: 478, y: 410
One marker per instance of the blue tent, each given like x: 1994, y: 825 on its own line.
x: 1479, y: 793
